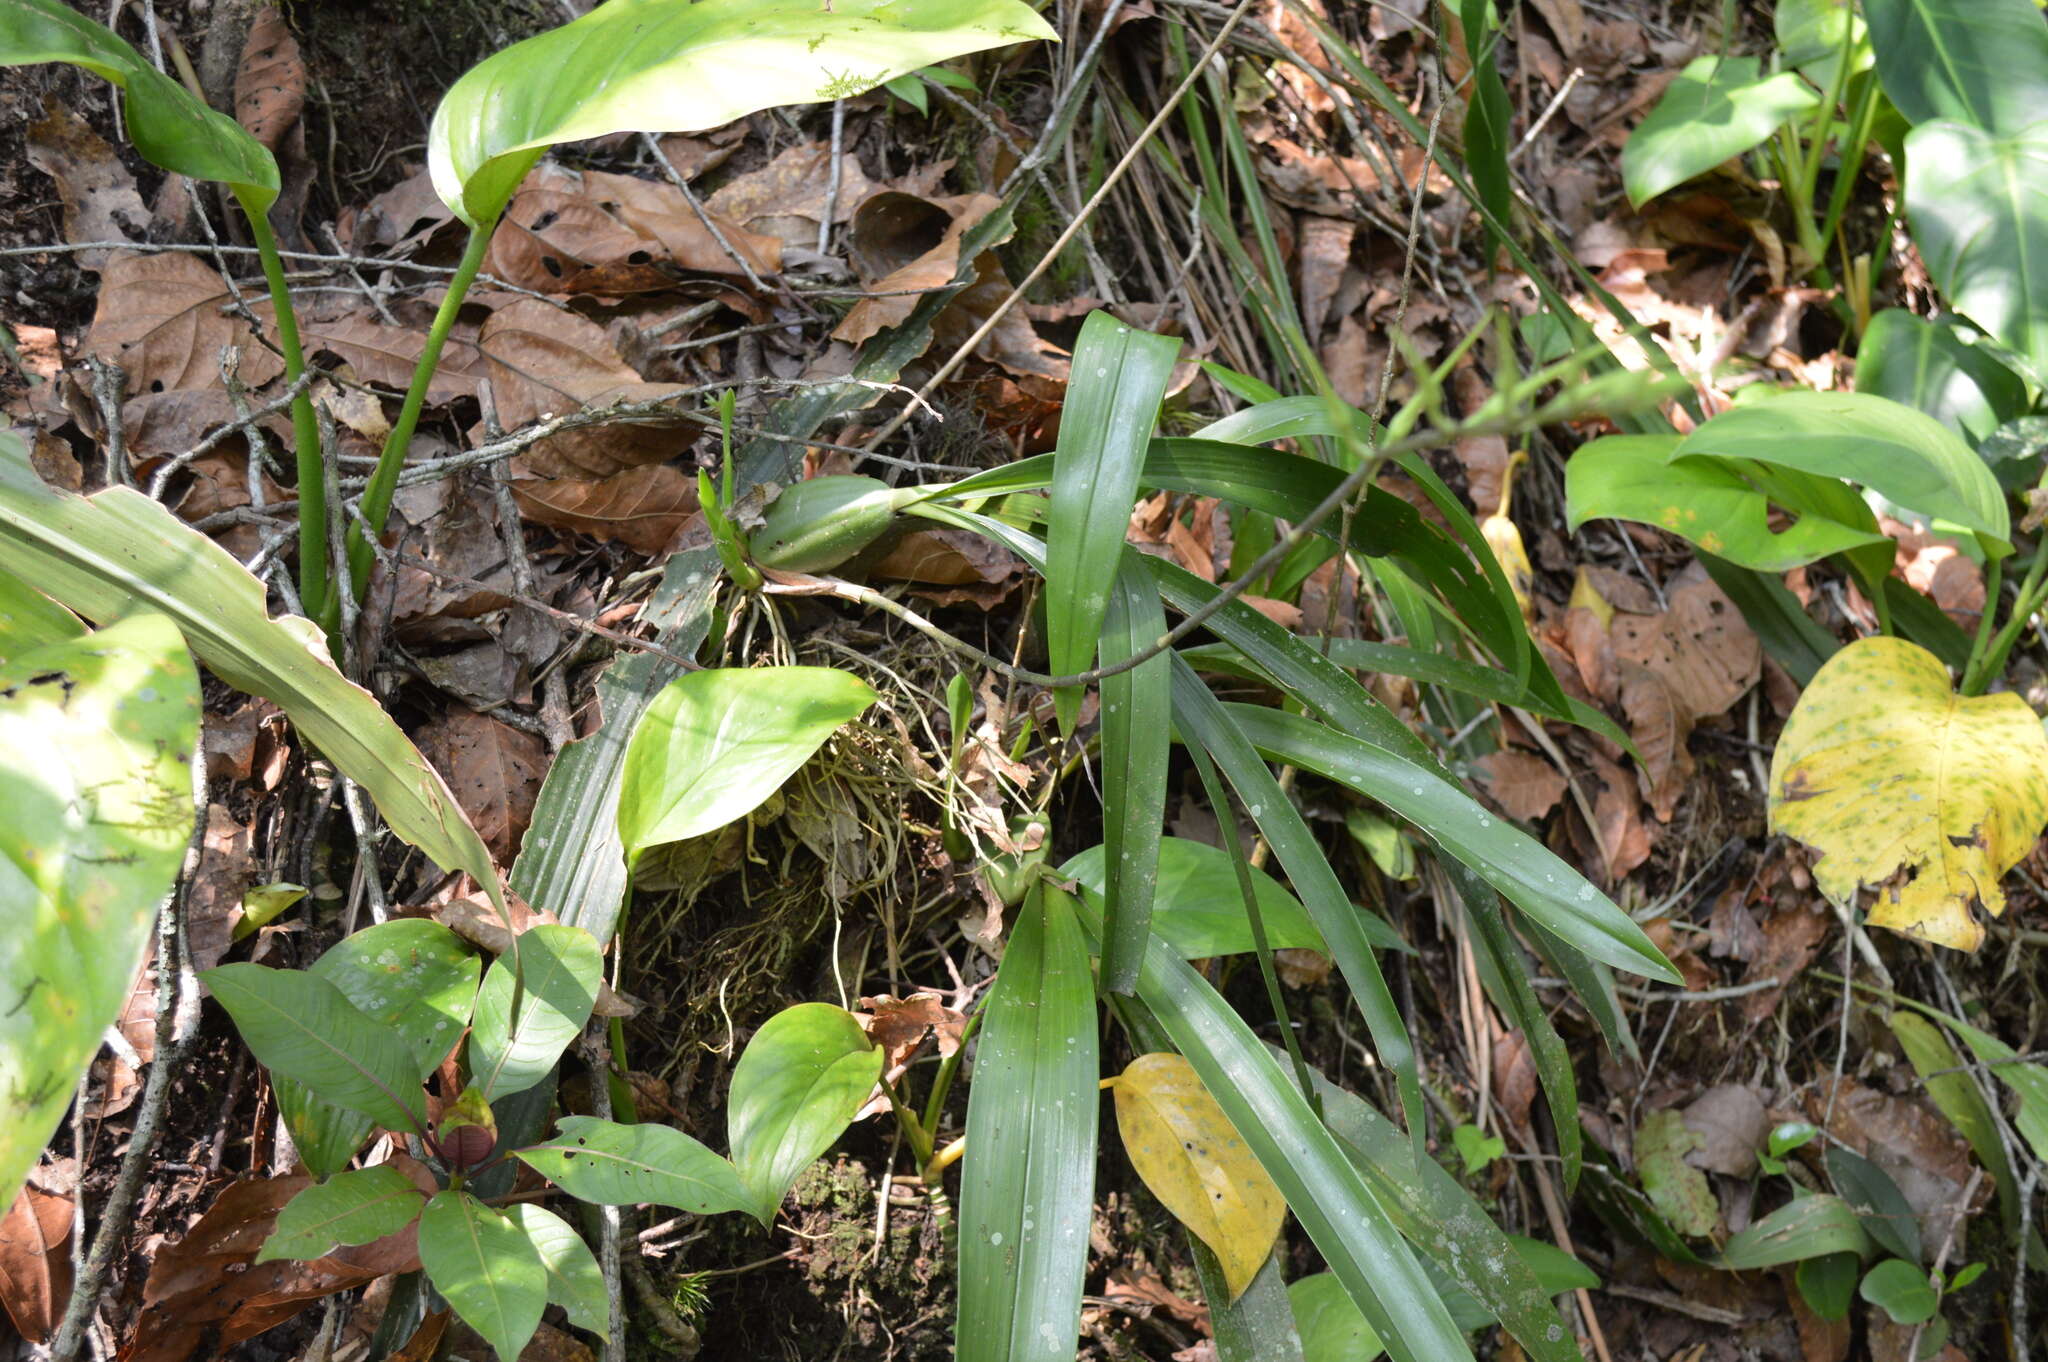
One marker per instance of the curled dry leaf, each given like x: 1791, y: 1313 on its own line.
x: 35, y: 1269
x: 471, y: 917
x: 786, y: 197
x: 270, y: 87
x: 597, y: 233
x: 899, y: 1025
x: 494, y: 770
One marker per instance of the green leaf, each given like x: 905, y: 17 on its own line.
x: 1256, y: 1327
x: 1907, y: 455
x: 1288, y: 418
x: 1810, y: 1227
x: 685, y: 65
x: 1534, y: 879
x: 1487, y: 115
x: 796, y: 1088
x: 1137, y: 741
x: 621, y: 1165
x: 116, y: 552
x: 1828, y: 1283
x: 716, y: 743
x: 911, y: 91
x: 2028, y: 1081
x: 1979, y: 205
x: 166, y: 123
x: 1552, y: 1270
x: 1871, y: 1193
x: 1717, y: 108
x: 1332, y: 1328
x: 1677, y: 1189
x: 1199, y: 912
x: 1984, y: 62
x: 563, y: 969
x: 1477, y: 1149
x: 1027, y: 1179
x: 411, y: 974
x: 1957, y: 1095
x: 1902, y: 1290
x: 1811, y: 36
x: 29, y: 619
x: 1934, y: 366
x: 1702, y: 500
x: 350, y: 1208
x: 299, y: 1025
x: 486, y: 1268
x: 574, y: 1280
x: 1119, y: 379
x: 97, y: 736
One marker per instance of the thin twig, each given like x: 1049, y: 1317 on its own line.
x: 832, y: 180
x: 675, y: 177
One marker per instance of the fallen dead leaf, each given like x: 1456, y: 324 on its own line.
x: 786, y: 198
x: 1325, y: 254
x: 1731, y: 1122
x: 1524, y: 785
x: 1791, y: 936
x: 1701, y: 645
x: 494, y: 770
x: 35, y: 1270
x: 98, y: 194
x: 899, y: 1025
x: 214, y: 895
x: 159, y: 318
x: 270, y: 87
x: 644, y: 508
x: 1915, y: 1145
x: 596, y: 233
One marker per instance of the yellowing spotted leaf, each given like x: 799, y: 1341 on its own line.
x: 1903, y: 785
x: 1189, y: 1156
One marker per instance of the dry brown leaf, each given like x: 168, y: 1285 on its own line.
x: 1325, y: 253
x: 98, y: 193
x: 691, y: 154
x: 1515, y: 1081
x: 1624, y: 842
x: 1659, y: 725
x: 643, y: 508
x: 1524, y: 785
x: 451, y: 526
x: 899, y: 1025
x: 786, y: 197
x: 941, y: 557
x: 213, y: 900
x: 494, y: 769
x: 1352, y: 362
x: 1909, y: 1140
x: 386, y: 355
x: 1791, y: 936
x: 401, y: 219
x: 1567, y: 24
x: 35, y: 1271
x: 903, y: 245
x: 1731, y: 1122
x: 159, y: 317
x: 590, y: 232
x: 270, y: 88
x: 1701, y: 645
x: 657, y: 211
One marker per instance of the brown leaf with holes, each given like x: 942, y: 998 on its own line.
x: 98, y: 193
x: 159, y: 317
x: 35, y: 1270
x: 387, y: 355
x: 1623, y: 843
x: 1524, y: 785
x: 643, y: 508
x: 1659, y: 725
x: 596, y: 233
x: 494, y: 769
x: 270, y: 88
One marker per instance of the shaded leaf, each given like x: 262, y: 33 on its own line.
x: 1678, y: 1190
x: 1933, y: 366
x: 1984, y: 62
x: 574, y: 1280
x: 803, y: 1076
x: 1198, y: 910
x: 301, y: 1026
x: 562, y: 968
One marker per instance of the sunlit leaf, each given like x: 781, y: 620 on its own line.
x: 1199, y: 911
x: 1979, y: 205
x: 623, y: 1165
x: 485, y: 1267
x: 355, y: 1207
x: 803, y: 1076
x: 1717, y: 108
x: 29, y: 619
x: 574, y: 1280
x: 1900, y: 783
x: 1984, y: 62
x: 510, y: 1052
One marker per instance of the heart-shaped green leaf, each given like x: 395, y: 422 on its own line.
x: 1979, y: 205
x: 1718, y: 107
x: 683, y: 65
x: 803, y: 1076
x: 1934, y: 366
x: 97, y: 734
x: 168, y: 125
x: 486, y: 1268
x: 716, y: 743
x: 350, y: 1208
x: 622, y: 1165
x: 510, y: 1052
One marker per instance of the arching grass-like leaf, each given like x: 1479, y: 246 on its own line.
x: 1027, y: 1180
x: 29, y: 619
x: 1199, y: 912
x: 486, y: 1268
x: 303, y: 1027
x: 97, y: 733
x: 715, y: 743
x: 1137, y: 740
x: 1979, y: 205
x: 574, y: 1280
x: 803, y: 1076
x: 169, y: 126
x: 350, y: 1208
x: 684, y: 65
x: 1717, y: 108
x: 621, y: 1165
x: 511, y: 1051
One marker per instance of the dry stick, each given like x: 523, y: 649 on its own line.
x: 675, y: 177
x: 240, y: 425
x: 177, y: 1024
x: 832, y: 180
x: 1095, y: 200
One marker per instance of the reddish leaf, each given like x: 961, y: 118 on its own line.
x: 35, y: 1270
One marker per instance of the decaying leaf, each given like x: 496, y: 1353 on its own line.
x: 1678, y: 1190
x: 1184, y: 1148
x: 494, y: 769
x: 1901, y: 784
x: 35, y: 1269
x: 1522, y: 783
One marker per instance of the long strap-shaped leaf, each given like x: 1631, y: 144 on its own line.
x: 1119, y: 380
x: 1028, y: 1178
x: 1322, y: 1187
x: 1137, y: 741
x: 1202, y: 719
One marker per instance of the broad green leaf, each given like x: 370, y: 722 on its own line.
x: 682, y: 66
x: 1883, y: 769
x: 1702, y: 500
x: 1332, y: 1328
x: 1256, y: 1327
x: 1933, y: 366
x: 486, y: 1268
x: 411, y: 974
x: 796, y: 1088
x: 299, y: 1025
x: 1028, y: 1177
x: 562, y: 969
x: 1547, y: 889
x: 1811, y: 35
x: 1810, y: 1227
x: 1870, y: 441
x: 622, y: 1165
x: 1199, y: 912
x: 1137, y: 742
x: 1979, y: 205
x: 1677, y: 1189
x: 1119, y: 379
x: 117, y: 551
x: 167, y: 124
x: 97, y: 736
x: 1186, y: 1153
x: 1828, y: 1283
x: 1958, y: 1097
x: 1326, y: 1191
x: 574, y: 1280
x: 716, y: 743
x: 1717, y: 108
x: 1553, y: 1270
x: 1983, y: 62
x: 1887, y: 1217
x: 2028, y: 1081
x: 1902, y: 1290
x: 355, y: 1207
x: 29, y: 619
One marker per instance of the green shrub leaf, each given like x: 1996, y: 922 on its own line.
x: 355, y: 1207
x: 1979, y: 206
x: 1718, y: 107
x: 511, y: 1052
x: 299, y: 1025
x: 1934, y: 367
x: 803, y: 1076
x: 621, y: 1165
x: 486, y: 1268
x: 1983, y: 62
x: 575, y: 1281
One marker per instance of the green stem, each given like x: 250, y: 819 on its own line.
x: 384, y: 481
x: 948, y: 1067
x: 316, y: 592
x: 1994, y: 578
x: 1986, y: 663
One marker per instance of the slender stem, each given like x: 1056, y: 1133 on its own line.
x: 948, y: 1066
x: 384, y: 481
x: 316, y: 592
x: 1994, y: 578
x: 2031, y: 596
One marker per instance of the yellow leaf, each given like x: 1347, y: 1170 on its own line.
x: 1901, y: 784
x: 1506, y: 542
x: 1189, y: 1156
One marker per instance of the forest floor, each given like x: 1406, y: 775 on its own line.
x: 607, y: 284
